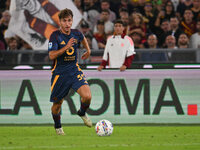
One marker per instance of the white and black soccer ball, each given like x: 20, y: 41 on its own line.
x: 104, y: 128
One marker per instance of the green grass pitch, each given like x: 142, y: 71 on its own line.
x: 83, y: 138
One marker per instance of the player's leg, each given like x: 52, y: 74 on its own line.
x: 55, y: 109
x: 85, y: 93
x: 59, y: 88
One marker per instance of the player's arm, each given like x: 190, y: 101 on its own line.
x: 88, y: 51
x: 105, y: 58
x: 130, y: 55
x: 56, y: 53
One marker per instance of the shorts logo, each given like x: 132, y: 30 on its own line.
x: 50, y: 45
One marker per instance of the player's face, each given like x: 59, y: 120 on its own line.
x: 119, y: 28
x: 66, y: 24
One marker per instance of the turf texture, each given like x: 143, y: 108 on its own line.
x: 83, y: 138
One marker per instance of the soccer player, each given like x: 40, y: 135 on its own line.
x: 66, y: 73
x: 119, y: 51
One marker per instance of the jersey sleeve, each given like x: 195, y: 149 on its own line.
x: 78, y: 35
x: 106, y: 50
x: 131, y: 49
x: 53, y: 44
x: 81, y: 36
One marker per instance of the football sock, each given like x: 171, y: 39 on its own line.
x: 83, y: 108
x: 57, y: 122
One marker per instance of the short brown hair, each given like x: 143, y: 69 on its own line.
x: 65, y: 13
x: 119, y: 21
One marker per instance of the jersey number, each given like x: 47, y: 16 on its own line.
x: 80, y: 77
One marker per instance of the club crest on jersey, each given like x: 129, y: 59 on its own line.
x: 50, y: 45
x: 63, y: 43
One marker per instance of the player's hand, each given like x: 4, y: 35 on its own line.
x: 70, y: 43
x: 123, y: 68
x: 86, y: 55
x: 100, y: 68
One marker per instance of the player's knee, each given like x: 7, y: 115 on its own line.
x: 56, y: 108
x: 87, y: 97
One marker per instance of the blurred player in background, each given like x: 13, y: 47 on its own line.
x: 119, y: 50
x: 66, y: 73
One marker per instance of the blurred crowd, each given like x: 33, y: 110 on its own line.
x: 172, y: 24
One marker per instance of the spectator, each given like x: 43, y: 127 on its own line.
x: 89, y: 5
x: 107, y: 23
x: 8, y: 4
x: 180, y: 55
x: 162, y: 32
x: 11, y: 57
x: 123, y: 4
x: 137, y: 25
x: 169, y: 10
x: 12, y: 44
x: 119, y: 49
x: 4, y: 21
x: 148, y: 15
x: 170, y: 44
x: 25, y: 57
x: 84, y: 28
x: 122, y: 12
x: 153, y: 56
x: 183, y: 41
x: 182, y: 6
x: 137, y: 40
x: 175, y: 29
x: 2, y: 46
x: 138, y: 44
x: 195, y: 38
x: 196, y: 9
x: 79, y: 5
x: 125, y: 18
x: 188, y: 24
x: 90, y: 12
x: 159, y: 18
x: 140, y: 6
x: 92, y: 42
x: 165, y: 13
x: 100, y: 35
x: 105, y: 5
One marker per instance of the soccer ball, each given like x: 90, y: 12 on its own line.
x: 104, y: 128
